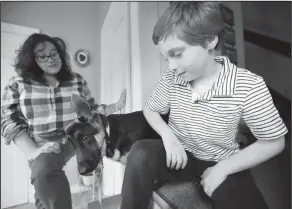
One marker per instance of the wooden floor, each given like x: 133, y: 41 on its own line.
x: 80, y: 201
x: 23, y: 206
x: 84, y: 201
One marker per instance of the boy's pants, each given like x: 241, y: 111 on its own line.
x: 147, y: 163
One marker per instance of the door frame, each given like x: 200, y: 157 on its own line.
x: 112, y: 13
x: 118, y: 13
x: 23, y: 31
x: 18, y: 29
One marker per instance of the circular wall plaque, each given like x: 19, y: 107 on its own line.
x: 82, y: 58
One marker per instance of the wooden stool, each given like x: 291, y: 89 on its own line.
x: 174, y: 195
x: 179, y: 195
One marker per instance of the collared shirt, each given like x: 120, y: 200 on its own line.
x: 207, y: 126
x: 44, y: 111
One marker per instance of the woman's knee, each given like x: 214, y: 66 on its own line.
x: 42, y: 167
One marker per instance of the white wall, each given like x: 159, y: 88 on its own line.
x: 151, y: 64
x: 78, y: 23
x: 272, y: 19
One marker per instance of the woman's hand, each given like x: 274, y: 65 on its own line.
x: 122, y: 100
x: 176, y: 156
x: 212, y: 178
x: 50, y: 147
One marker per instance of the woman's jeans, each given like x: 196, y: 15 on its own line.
x: 50, y: 182
x: 147, y: 165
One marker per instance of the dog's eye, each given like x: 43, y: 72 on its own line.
x: 84, y: 138
x: 70, y: 143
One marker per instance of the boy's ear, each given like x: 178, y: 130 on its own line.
x: 211, y: 43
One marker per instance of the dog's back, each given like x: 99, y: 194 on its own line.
x: 134, y: 122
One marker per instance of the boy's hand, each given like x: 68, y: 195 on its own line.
x: 176, y: 156
x: 212, y: 178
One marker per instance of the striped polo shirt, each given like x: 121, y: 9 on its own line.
x: 207, y: 127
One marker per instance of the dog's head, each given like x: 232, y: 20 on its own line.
x: 86, y: 135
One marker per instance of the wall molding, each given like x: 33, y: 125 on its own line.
x: 272, y: 44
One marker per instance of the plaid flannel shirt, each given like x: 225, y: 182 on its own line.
x: 43, y: 111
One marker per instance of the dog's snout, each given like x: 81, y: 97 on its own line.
x: 83, y: 118
x: 86, y: 167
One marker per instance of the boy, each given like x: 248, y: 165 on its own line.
x: 206, y: 95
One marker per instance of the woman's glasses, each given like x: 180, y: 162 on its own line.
x: 43, y: 58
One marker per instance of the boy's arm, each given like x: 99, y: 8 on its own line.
x: 156, y: 122
x: 258, y: 152
x: 176, y: 156
x: 264, y: 121
x: 159, y: 102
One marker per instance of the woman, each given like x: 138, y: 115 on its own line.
x: 35, y: 109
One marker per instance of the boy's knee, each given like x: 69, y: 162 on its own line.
x: 138, y: 152
x: 142, y: 152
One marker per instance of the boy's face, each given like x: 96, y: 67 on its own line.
x: 188, y: 61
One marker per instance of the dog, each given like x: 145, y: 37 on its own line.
x: 124, y: 130
x: 94, y: 135
x: 82, y: 134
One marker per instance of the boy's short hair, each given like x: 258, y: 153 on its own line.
x: 192, y: 22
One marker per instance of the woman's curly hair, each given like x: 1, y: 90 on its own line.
x: 26, y: 66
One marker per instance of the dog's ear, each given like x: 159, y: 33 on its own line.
x: 70, y: 128
x: 100, y: 119
x: 80, y: 105
x: 74, y: 126
x: 104, y: 120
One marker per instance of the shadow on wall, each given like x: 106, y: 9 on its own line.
x: 262, y: 19
x: 272, y: 20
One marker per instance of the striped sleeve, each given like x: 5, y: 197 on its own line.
x: 159, y: 101
x: 261, y: 115
x: 13, y: 122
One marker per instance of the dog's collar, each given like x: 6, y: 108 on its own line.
x: 107, y: 130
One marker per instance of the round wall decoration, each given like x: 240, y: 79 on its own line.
x: 82, y: 58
